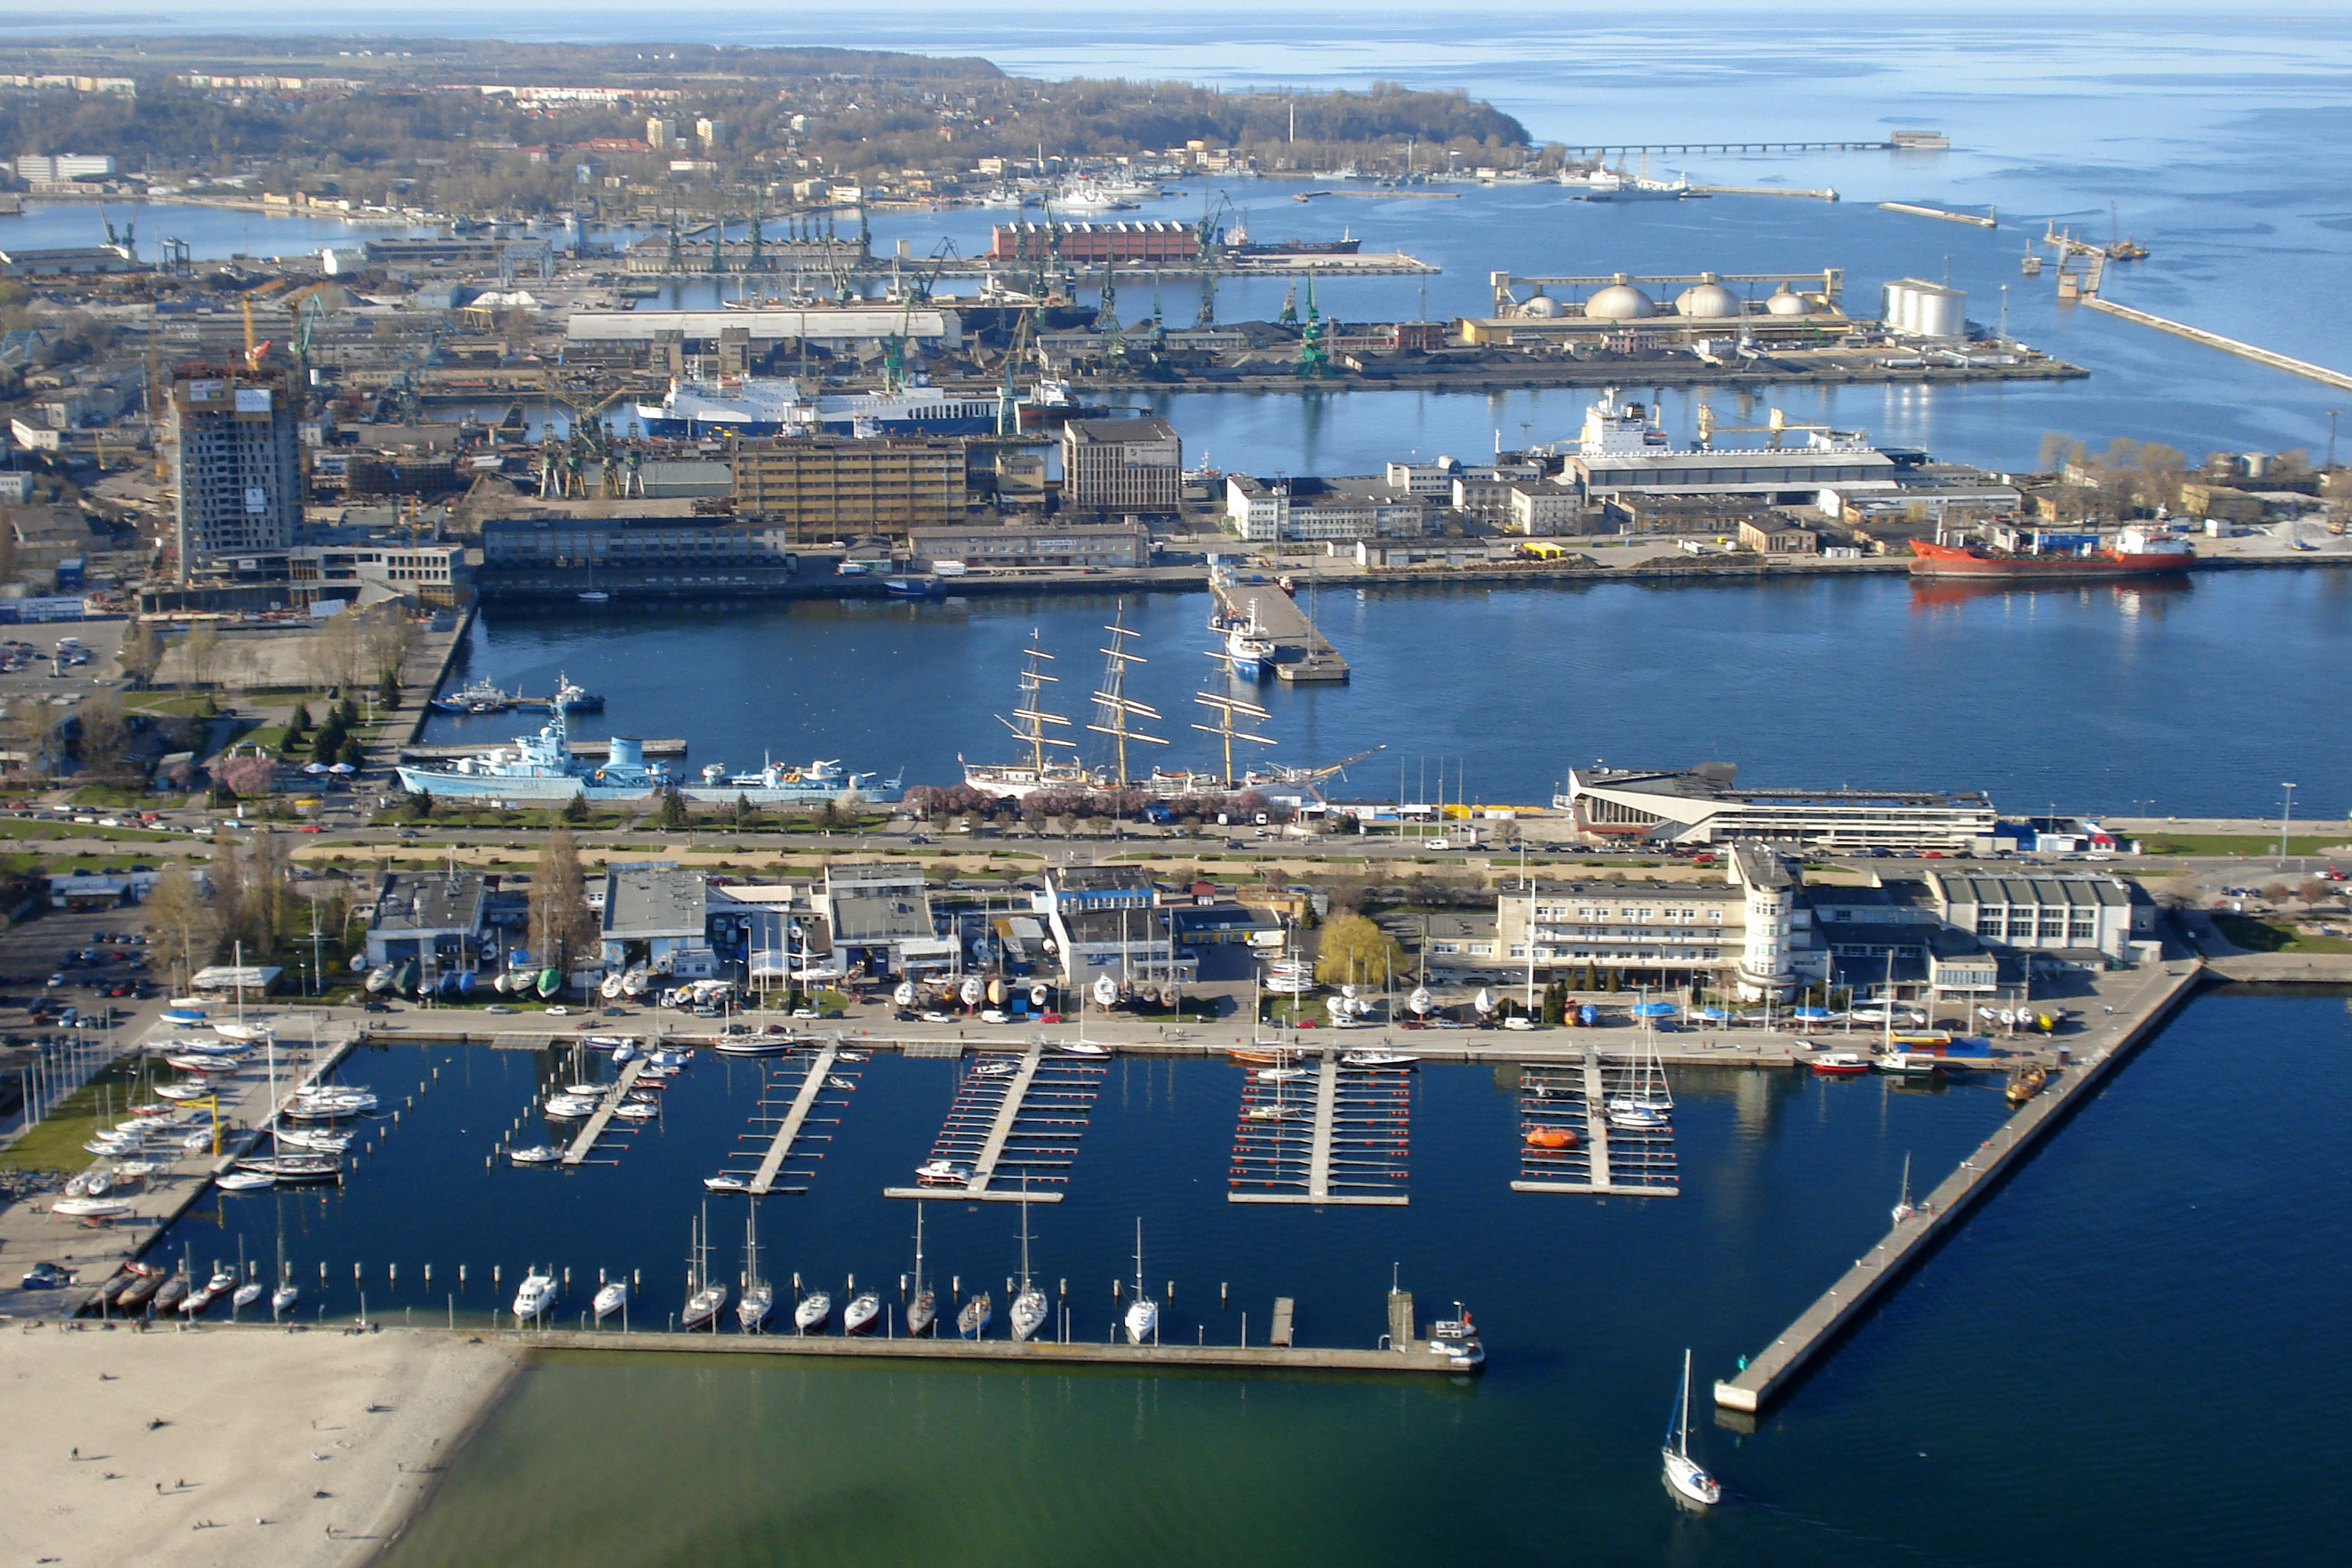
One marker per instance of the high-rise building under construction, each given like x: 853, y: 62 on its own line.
x: 235, y: 462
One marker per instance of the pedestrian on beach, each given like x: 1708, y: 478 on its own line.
x: 77, y: 1453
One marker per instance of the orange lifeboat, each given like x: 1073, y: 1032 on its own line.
x: 1550, y: 1138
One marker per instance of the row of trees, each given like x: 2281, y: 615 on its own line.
x: 353, y: 649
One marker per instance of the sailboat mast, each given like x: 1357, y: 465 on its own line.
x: 1682, y: 1433
x: 1115, y: 705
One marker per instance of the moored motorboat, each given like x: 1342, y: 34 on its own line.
x: 534, y: 1296
x: 975, y: 1316
x: 2024, y: 1083
x: 611, y: 1297
x: 943, y: 1174
x: 1838, y: 1064
x: 814, y: 1310
x: 1456, y: 1339
x: 863, y: 1311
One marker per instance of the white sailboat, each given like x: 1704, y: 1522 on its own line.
x: 759, y: 1296
x: 1142, y: 1319
x: 703, y: 1298
x: 973, y: 1318
x: 864, y: 1310
x: 1029, y: 1309
x: 1903, y: 1207
x: 1684, y: 1474
x: 814, y: 1310
x: 610, y: 1298
x: 923, y: 1306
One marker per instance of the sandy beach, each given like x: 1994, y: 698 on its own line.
x: 302, y: 1450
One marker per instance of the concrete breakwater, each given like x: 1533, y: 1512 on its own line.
x: 1822, y: 1325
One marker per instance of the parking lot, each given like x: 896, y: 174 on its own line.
x: 64, y: 971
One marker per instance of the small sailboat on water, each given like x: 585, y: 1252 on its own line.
x: 759, y: 1296
x: 1142, y: 1318
x: 923, y: 1306
x: 703, y: 1298
x: 1029, y: 1307
x: 1687, y: 1478
x: 1903, y: 1207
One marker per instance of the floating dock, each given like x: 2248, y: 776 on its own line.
x: 1302, y: 654
x: 602, y: 1116
x: 1572, y: 1098
x: 1786, y: 1359
x: 788, y: 1132
x: 1025, y: 1124
x: 1341, y: 1140
x: 1990, y: 220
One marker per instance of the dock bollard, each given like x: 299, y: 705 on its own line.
x: 1221, y: 1293
x: 461, y: 1277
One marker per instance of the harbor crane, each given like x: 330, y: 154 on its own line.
x: 1310, y: 778
x: 1777, y: 424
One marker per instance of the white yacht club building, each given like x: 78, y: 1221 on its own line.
x: 1704, y: 804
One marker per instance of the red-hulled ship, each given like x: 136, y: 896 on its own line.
x: 2136, y: 553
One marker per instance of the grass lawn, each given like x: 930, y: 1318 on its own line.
x: 2232, y: 844
x: 175, y: 704
x: 2276, y: 936
x: 57, y: 1143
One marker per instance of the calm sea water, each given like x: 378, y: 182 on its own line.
x: 2191, y: 699
x: 2213, y: 139
x: 2104, y: 1353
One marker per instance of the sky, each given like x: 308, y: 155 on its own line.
x: 840, y: 23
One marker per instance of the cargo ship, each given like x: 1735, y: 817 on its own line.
x: 2041, y: 556
x: 747, y: 406
x: 1238, y: 242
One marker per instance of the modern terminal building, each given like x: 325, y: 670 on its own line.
x: 1705, y: 805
